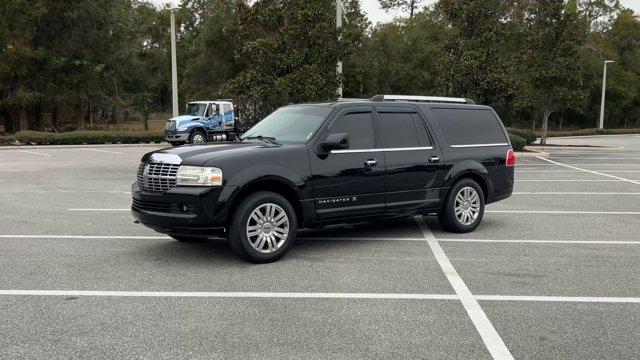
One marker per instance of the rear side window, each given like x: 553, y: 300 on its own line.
x: 469, y: 126
x: 359, y: 126
x: 399, y: 130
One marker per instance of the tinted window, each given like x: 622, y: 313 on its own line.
x: 359, y: 126
x: 399, y: 130
x: 469, y: 127
x: 422, y: 131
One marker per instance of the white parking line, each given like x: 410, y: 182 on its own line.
x: 488, y: 333
x: 315, y: 238
x: 633, y: 300
x: 277, y: 295
x: 269, y: 295
x: 589, y: 171
x: 597, y: 242
x: 34, y: 153
x: 571, y: 171
x: 102, y: 151
x: 99, y: 209
x: 575, y: 193
x: 571, y: 180
x: 563, y: 212
x: 81, y: 237
x: 603, y: 164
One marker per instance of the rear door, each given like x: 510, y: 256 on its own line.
x: 414, y: 171
x: 349, y: 182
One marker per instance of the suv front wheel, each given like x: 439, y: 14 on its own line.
x: 263, y: 227
x: 463, y: 208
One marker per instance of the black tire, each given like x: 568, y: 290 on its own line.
x: 238, y: 239
x: 188, y: 239
x: 195, y: 133
x: 447, y: 216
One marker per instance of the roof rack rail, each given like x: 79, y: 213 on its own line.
x: 347, y: 99
x: 413, y: 98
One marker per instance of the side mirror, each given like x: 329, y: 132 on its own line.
x: 335, y: 141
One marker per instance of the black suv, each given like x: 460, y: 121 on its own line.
x: 306, y: 166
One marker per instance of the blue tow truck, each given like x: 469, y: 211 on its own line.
x: 204, y: 121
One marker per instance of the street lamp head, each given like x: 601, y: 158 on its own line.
x: 608, y: 61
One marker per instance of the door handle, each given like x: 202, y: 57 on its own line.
x: 434, y: 159
x: 371, y: 162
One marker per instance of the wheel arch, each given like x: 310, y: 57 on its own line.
x: 471, y: 170
x: 276, y: 184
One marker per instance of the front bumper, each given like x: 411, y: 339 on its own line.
x: 175, y: 136
x: 187, y: 211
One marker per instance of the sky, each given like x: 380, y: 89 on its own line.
x: 372, y: 8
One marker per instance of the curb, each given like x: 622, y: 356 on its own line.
x: 531, y: 153
x: 549, y: 147
x: 17, y: 147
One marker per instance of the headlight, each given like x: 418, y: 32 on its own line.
x: 199, y: 176
x: 181, y: 128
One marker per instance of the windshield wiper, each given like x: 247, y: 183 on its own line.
x: 269, y: 139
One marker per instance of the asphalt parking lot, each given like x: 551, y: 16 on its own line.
x: 552, y: 272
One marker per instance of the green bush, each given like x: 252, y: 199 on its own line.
x: 6, y: 140
x: 587, y: 132
x: 517, y: 142
x: 529, y: 136
x: 88, y: 137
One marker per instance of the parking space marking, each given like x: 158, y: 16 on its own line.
x: 214, y: 294
x: 573, y: 180
x: 575, y: 193
x: 564, y: 212
x: 34, y: 153
x: 602, y: 164
x: 598, y: 242
x: 571, y: 171
x: 102, y: 151
x: 101, y: 237
x: 589, y: 171
x: 488, y: 333
x: 632, y: 300
x: 74, y: 209
x: 315, y: 238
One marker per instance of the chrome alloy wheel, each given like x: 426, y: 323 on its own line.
x: 267, y: 228
x: 198, y: 139
x: 467, y: 205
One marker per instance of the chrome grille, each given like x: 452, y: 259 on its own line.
x: 170, y: 125
x: 157, y: 177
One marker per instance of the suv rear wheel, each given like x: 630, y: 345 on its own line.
x: 263, y: 227
x: 464, y: 207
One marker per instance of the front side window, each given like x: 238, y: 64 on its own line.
x: 196, y: 109
x: 399, y: 130
x: 359, y: 126
x: 295, y: 123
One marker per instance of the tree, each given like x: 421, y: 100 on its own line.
x: 292, y: 48
x: 410, y: 6
x: 479, y: 60
x: 554, y: 33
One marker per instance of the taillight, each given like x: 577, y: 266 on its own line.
x: 511, y: 158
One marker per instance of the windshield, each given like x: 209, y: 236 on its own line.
x: 196, y: 109
x: 291, y: 123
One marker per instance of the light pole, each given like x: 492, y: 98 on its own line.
x: 174, y: 64
x: 338, y: 26
x: 604, y: 87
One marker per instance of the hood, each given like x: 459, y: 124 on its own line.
x: 197, y: 155
x: 184, y: 118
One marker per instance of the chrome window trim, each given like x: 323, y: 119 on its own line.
x: 381, y: 150
x: 478, y: 145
